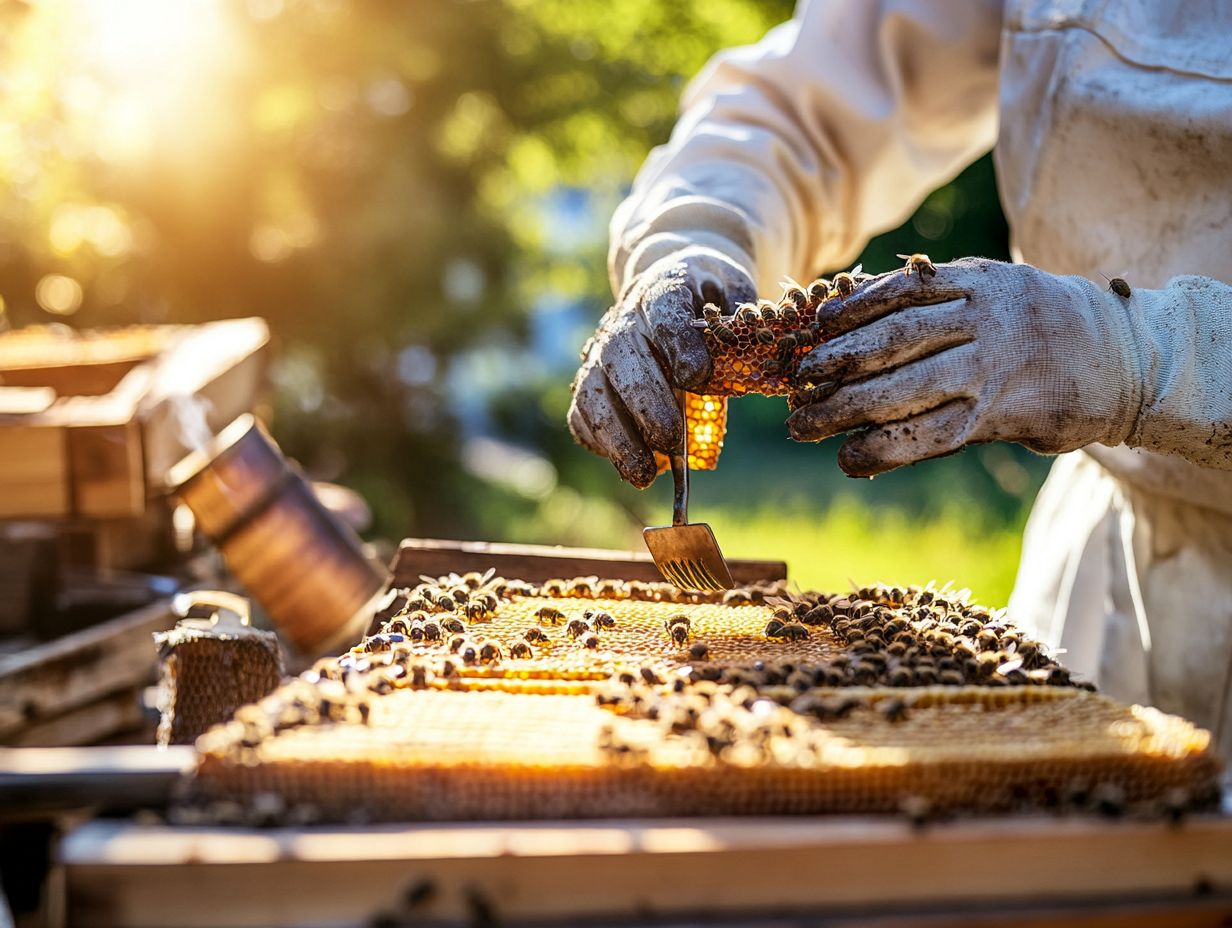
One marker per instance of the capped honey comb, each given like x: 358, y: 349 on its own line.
x: 591, y: 697
x: 436, y: 755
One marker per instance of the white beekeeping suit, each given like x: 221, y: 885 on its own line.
x: 1112, y: 125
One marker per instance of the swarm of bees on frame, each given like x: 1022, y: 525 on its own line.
x: 755, y: 676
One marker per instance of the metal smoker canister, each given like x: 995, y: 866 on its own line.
x: 302, y: 564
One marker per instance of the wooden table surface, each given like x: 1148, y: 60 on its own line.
x: 1006, y: 871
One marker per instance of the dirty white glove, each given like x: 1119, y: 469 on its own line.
x: 988, y: 351
x: 623, y: 406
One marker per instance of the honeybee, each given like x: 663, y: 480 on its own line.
x: 1108, y: 799
x: 679, y: 633
x: 748, y: 314
x: 475, y: 580
x: 489, y: 652
x: 549, y: 615
x: 787, y: 342
x: 602, y: 620
x: 431, y: 631
x: 765, y: 336
x: 774, y: 628
x: 918, y: 264
x: 577, y: 628
x: 520, y: 649
x: 468, y: 654
x: 445, y: 603
x: 809, y: 336
x: 711, y: 313
x: 650, y: 676
x: 794, y: 632
x: 456, y: 644
x: 554, y: 588
x: 894, y: 710
x: 535, y: 636
x: 460, y: 594
x: 847, y: 281
x: 452, y: 625
x: 678, y: 618
x: 609, y: 588
x: 418, y: 603
x: 475, y: 612
x: 789, y: 314
x: 917, y: 809
x: 819, y: 290
x: 724, y: 334
x: 699, y: 651
x: 769, y: 312
x: 899, y: 676
x: 398, y: 625
x: 1118, y: 286
x: 590, y: 640
x: 419, y: 676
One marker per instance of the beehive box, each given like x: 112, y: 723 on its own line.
x: 479, y: 697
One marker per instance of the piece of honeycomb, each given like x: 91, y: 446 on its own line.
x: 757, y: 349
x: 206, y: 674
x: 634, y: 699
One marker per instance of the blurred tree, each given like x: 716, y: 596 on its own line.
x: 375, y: 178
x: 414, y: 194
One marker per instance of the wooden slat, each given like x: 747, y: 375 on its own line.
x: 34, y: 474
x: 48, y: 680
x: 107, y: 476
x: 86, y: 724
x: 105, y: 777
x: 536, y: 563
x: 123, y: 874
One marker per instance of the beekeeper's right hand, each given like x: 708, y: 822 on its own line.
x: 645, y: 346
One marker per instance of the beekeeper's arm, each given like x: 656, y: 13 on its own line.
x: 789, y: 155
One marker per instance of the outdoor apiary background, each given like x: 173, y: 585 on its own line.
x: 415, y: 196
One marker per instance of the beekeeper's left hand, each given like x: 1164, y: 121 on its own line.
x: 983, y: 351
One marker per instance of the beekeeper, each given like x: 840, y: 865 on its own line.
x: 1112, y: 125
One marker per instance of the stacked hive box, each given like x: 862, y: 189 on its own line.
x: 590, y: 698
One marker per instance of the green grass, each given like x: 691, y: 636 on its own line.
x: 825, y: 548
x: 850, y: 542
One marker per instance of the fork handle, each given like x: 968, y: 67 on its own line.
x: 680, y: 469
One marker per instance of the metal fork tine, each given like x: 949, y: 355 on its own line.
x: 686, y: 554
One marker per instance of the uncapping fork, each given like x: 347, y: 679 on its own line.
x: 687, y: 556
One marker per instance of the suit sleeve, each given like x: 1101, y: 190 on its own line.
x: 791, y: 153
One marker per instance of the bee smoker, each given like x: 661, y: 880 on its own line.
x: 305, y: 567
